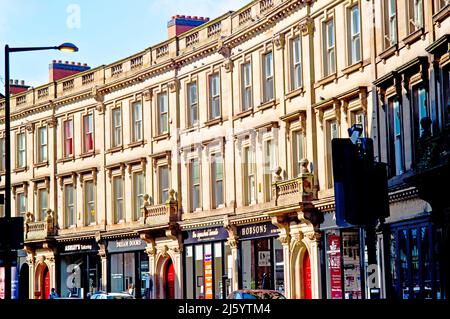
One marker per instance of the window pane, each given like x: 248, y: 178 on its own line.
x: 199, y: 276
x: 189, y: 272
x: 42, y: 204
x: 42, y: 144
x: 163, y: 113
x: 89, y: 202
x: 118, y: 198
x: 138, y: 194
x: 218, y: 271
x: 163, y: 184
x: 137, y: 121
x: 21, y: 148
x: 69, y: 205
x: 88, y: 133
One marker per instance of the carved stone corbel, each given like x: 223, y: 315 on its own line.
x: 223, y: 49
x: 99, y: 98
x: 174, y: 85
x: 279, y: 40
x: 148, y: 94
x: 228, y: 65
x: 29, y: 127
x: 306, y: 26
x: 51, y: 122
x: 319, y: 113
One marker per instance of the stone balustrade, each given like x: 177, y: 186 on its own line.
x: 162, y: 214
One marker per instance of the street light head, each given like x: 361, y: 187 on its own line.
x: 68, y: 47
x: 355, y: 132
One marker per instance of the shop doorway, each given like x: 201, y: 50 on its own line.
x: 170, y: 280
x: 24, y: 280
x: 46, y: 283
x: 307, y: 294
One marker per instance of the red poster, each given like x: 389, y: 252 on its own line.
x: 334, y: 262
x: 207, y: 261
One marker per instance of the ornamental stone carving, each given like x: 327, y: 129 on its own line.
x: 51, y: 122
x: 228, y: 65
x: 29, y: 217
x: 173, y: 85
x: 279, y: 40
x: 223, y: 49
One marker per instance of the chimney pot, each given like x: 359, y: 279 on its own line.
x: 16, y: 82
x: 84, y: 64
x: 79, y: 63
x: 54, y: 61
x: 195, y: 17
x: 22, y: 82
x: 59, y: 61
x: 11, y: 81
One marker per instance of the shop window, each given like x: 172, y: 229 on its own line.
x: 189, y: 272
x: 414, y: 266
x: 117, y: 283
x: 199, y: 276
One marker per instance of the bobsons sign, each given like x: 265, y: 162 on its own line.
x: 257, y: 230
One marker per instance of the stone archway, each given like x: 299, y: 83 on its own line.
x: 42, y: 281
x: 298, y: 254
x: 164, y: 265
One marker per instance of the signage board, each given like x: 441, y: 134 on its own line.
x: 266, y: 229
x: 129, y: 244
x: 205, y: 235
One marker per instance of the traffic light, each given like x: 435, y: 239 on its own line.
x: 360, y: 184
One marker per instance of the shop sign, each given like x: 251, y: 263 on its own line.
x: 204, y: 235
x: 131, y: 244
x: 334, y: 261
x: 80, y: 247
x: 257, y: 230
x: 207, y: 261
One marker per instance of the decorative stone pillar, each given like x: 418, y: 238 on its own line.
x: 233, y: 242
x: 31, y: 275
x: 312, y: 240
x: 151, y: 252
x: 285, y: 239
x: 178, y: 265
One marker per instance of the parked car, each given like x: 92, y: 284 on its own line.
x: 255, y: 294
x: 111, y: 295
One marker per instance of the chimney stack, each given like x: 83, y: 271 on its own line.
x: 15, y: 87
x: 181, y: 23
x: 59, y: 70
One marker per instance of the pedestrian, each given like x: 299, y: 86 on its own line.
x: 265, y: 281
x: 53, y: 294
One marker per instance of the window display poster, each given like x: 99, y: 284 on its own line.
x: 264, y: 258
x: 334, y: 262
x: 207, y: 261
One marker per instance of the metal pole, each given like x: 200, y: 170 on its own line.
x: 7, y: 175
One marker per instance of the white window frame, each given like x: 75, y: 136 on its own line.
x: 66, y: 154
x: 89, y: 203
x: 330, y: 47
x: 246, y: 86
x: 21, y: 152
x: 192, y: 104
x: 215, y: 179
x: 138, y: 197
x: 296, y: 63
x: 116, y: 136
x: 137, y: 123
x: 268, y: 77
x: 68, y: 206
x: 193, y: 185
x: 42, y: 147
x: 118, y: 200
x: 88, y: 131
x: 163, y: 115
x: 355, y: 50
x: 214, y: 97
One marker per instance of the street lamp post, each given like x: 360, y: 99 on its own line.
x: 65, y: 47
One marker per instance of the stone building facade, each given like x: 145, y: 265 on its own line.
x: 202, y: 164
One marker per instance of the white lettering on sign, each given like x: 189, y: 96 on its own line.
x: 205, y: 233
x: 254, y: 230
x: 128, y: 243
x: 77, y: 247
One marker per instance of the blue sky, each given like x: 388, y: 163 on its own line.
x: 106, y: 31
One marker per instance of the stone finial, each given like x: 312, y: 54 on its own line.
x: 146, y: 201
x: 277, y: 174
x: 49, y: 216
x: 29, y: 217
x: 304, y: 166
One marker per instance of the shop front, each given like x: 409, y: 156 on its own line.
x: 128, y: 267
x: 261, y: 264
x: 79, y: 268
x: 343, y: 260
x: 207, y: 263
x: 414, y: 260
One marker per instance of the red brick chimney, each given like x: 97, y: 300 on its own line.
x: 181, y: 23
x: 59, y: 70
x: 16, y: 87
